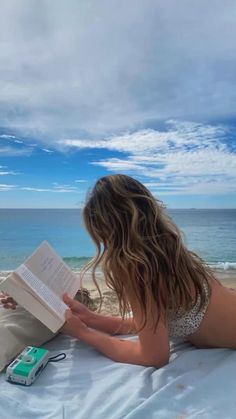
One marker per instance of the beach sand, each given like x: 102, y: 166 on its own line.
x: 109, y: 299
x: 227, y: 278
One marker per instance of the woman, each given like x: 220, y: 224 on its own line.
x: 168, y: 288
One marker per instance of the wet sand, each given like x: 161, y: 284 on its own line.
x: 227, y: 278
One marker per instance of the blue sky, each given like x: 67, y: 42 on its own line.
x: 93, y: 88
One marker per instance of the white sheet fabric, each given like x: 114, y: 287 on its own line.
x: 196, y: 383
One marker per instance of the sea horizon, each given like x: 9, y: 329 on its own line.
x: 79, y: 208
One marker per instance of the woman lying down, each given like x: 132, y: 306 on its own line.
x: 144, y: 260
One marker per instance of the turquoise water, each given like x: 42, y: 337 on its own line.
x: 210, y: 233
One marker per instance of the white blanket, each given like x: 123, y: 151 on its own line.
x: 196, y: 383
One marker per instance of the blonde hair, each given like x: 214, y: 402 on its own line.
x: 141, y: 249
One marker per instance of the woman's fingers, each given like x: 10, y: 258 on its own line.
x: 69, y: 301
x: 74, y: 305
x: 73, y: 326
x: 68, y: 314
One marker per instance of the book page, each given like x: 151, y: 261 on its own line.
x: 24, y: 297
x: 46, y: 265
x: 41, y: 290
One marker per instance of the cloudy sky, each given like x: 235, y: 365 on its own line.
x: 145, y: 88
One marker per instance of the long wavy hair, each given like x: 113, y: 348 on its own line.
x: 140, y: 249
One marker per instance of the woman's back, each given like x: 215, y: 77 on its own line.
x: 218, y: 327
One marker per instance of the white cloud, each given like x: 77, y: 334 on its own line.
x: 55, y: 189
x: 29, y: 188
x: 67, y: 187
x: 7, y: 136
x: 104, y: 67
x: 47, y: 151
x: 115, y: 164
x: 59, y: 190
x: 8, y: 173
x: 12, y: 147
x: 176, y: 136
x: 9, y: 151
x: 192, y: 158
x: 4, y: 187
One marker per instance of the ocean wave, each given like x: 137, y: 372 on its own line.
x: 76, y: 262
x: 223, y: 266
x: 76, y: 258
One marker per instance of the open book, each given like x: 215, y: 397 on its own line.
x: 39, y: 284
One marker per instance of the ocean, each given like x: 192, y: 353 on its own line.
x: 209, y: 233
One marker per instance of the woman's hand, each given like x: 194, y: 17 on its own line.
x: 79, y: 310
x: 7, y: 301
x: 74, y: 326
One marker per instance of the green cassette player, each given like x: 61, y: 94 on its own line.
x: 27, y: 366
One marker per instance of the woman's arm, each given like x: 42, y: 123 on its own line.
x: 111, y: 325
x: 125, y: 351
x: 152, y: 348
x: 107, y: 324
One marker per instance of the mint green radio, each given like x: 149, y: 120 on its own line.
x: 27, y: 366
